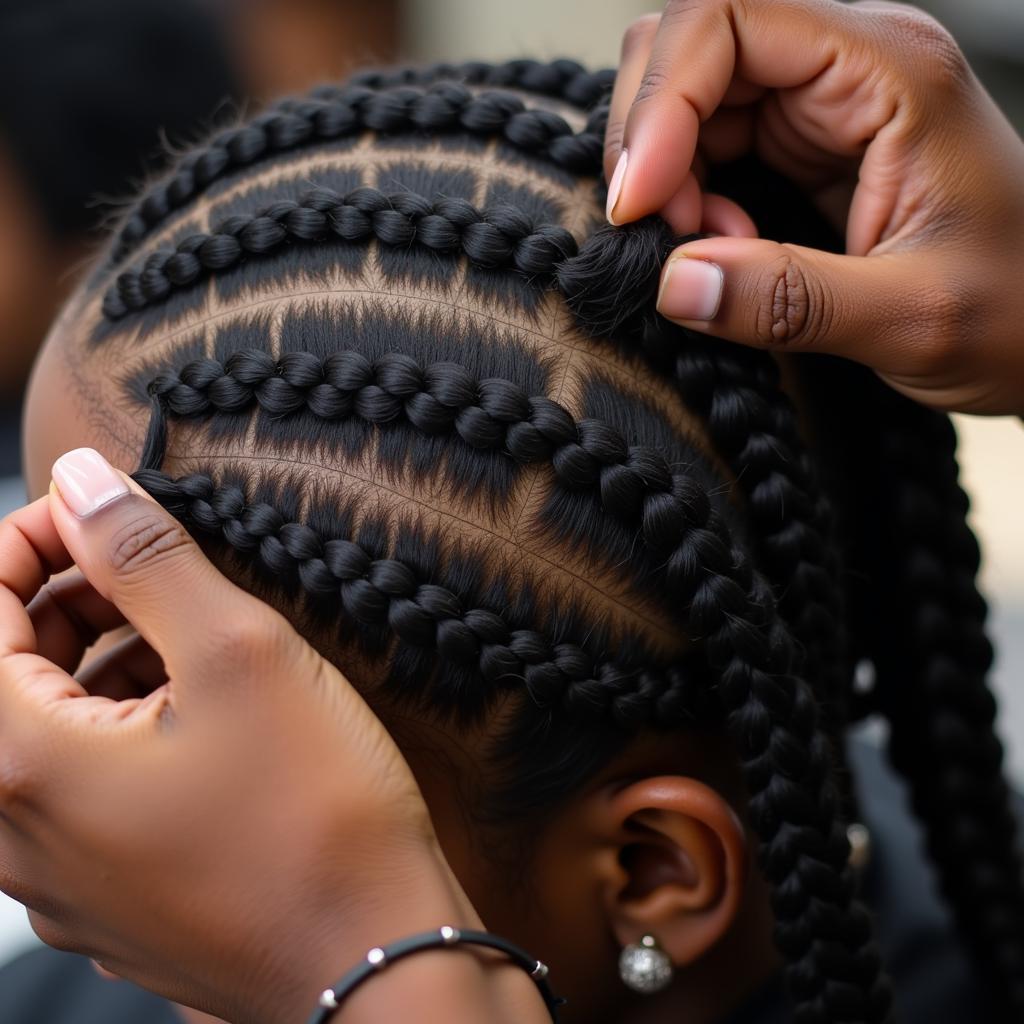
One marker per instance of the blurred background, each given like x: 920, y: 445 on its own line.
x: 92, y: 92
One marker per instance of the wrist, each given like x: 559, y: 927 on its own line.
x: 404, y: 895
x: 460, y: 985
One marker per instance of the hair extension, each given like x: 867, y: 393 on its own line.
x: 920, y: 619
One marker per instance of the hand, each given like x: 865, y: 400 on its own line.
x: 874, y: 111
x: 233, y: 834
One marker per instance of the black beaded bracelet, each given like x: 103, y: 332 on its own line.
x: 381, y: 957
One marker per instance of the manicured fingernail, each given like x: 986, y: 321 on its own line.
x: 615, y: 186
x: 86, y: 481
x: 691, y: 289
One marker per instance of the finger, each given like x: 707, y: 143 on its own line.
x: 636, y: 48
x: 142, y: 560
x: 874, y: 309
x: 722, y: 216
x: 697, y: 51
x: 31, y: 551
x: 685, y: 210
x: 69, y: 616
x: 130, y: 670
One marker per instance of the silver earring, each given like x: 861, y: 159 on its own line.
x: 645, y: 967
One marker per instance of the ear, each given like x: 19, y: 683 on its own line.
x: 680, y: 868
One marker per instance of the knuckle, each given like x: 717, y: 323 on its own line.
x: 940, y: 61
x: 246, y: 644
x: 17, y: 784
x: 656, y: 79
x: 790, y: 310
x: 150, y: 538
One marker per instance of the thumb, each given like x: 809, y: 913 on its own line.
x: 137, y: 556
x: 873, y: 309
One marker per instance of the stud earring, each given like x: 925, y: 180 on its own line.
x: 645, y: 967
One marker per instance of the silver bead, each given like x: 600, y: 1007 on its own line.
x: 328, y: 999
x: 377, y: 957
x: 540, y: 971
x: 645, y: 967
x: 450, y: 935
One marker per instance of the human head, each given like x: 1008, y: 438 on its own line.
x: 427, y: 410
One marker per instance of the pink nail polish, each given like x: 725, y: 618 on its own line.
x: 86, y: 481
x: 691, y: 289
x: 615, y: 185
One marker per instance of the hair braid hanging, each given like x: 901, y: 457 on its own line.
x: 923, y: 626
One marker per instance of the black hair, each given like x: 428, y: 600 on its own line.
x: 729, y: 531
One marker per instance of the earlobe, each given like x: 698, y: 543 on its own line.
x: 681, y: 865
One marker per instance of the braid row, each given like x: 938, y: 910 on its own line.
x: 941, y: 710
x: 559, y: 79
x: 500, y: 236
x: 384, y: 591
x: 339, y: 112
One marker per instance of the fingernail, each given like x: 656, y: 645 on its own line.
x: 615, y: 186
x: 691, y: 289
x: 86, y: 481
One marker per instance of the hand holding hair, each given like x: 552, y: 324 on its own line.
x: 872, y: 109
x: 210, y: 810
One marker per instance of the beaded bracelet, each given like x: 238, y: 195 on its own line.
x: 380, y: 957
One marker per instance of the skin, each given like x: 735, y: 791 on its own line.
x: 872, y: 108
x: 686, y: 887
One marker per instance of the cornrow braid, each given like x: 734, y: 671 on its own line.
x: 334, y: 113
x: 385, y: 591
x: 925, y: 634
x: 500, y: 236
x: 561, y: 79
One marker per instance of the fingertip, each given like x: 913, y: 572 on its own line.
x: 684, y: 212
x: 721, y: 216
x: 660, y: 155
x: 691, y: 290
x: 86, y: 482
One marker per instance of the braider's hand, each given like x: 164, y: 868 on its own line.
x: 873, y: 110
x: 213, y: 811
